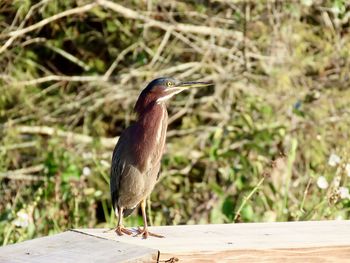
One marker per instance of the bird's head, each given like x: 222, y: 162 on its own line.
x: 162, y: 89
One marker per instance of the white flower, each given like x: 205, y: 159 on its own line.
x: 86, y: 171
x: 347, y: 169
x: 344, y: 192
x: 333, y: 160
x: 322, y: 182
x: 22, y: 219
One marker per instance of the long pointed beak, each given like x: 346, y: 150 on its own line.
x: 193, y: 84
x: 171, y: 91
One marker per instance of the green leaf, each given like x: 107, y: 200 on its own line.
x: 72, y: 172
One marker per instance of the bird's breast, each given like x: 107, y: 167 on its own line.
x: 151, y: 139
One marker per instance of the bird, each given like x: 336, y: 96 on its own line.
x: 137, y: 155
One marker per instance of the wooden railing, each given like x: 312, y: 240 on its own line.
x: 313, y: 241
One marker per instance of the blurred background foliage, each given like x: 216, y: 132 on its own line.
x: 270, y: 142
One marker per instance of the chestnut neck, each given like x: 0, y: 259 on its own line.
x: 151, y: 126
x: 148, y: 109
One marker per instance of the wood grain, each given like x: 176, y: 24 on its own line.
x: 313, y: 241
x: 75, y: 247
x: 309, y: 255
x: 198, y: 238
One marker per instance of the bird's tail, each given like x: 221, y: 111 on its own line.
x: 128, y: 212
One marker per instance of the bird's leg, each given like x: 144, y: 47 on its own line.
x: 144, y: 232
x: 120, y: 229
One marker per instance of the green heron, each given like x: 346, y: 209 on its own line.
x: 137, y: 155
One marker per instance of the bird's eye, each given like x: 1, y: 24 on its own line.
x: 169, y: 83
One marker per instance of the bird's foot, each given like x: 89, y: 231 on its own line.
x: 145, y: 233
x: 120, y: 230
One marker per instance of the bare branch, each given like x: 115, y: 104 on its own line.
x: 24, y: 173
x: 167, y: 71
x: 17, y: 33
x: 203, y: 30
x: 161, y: 47
x: 118, y: 59
x: 69, y: 136
x: 60, y: 78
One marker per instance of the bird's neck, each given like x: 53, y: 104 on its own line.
x: 151, y: 127
x: 152, y: 115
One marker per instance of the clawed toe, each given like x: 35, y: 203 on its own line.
x: 120, y: 230
x: 145, y: 233
x: 126, y: 231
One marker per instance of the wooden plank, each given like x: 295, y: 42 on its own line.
x: 206, y: 243
x: 75, y: 247
x: 302, y: 255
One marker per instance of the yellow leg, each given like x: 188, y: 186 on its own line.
x: 120, y: 229
x: 144, y: 232
x: 144, y: 216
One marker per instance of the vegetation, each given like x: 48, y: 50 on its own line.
x: 270, y: 142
